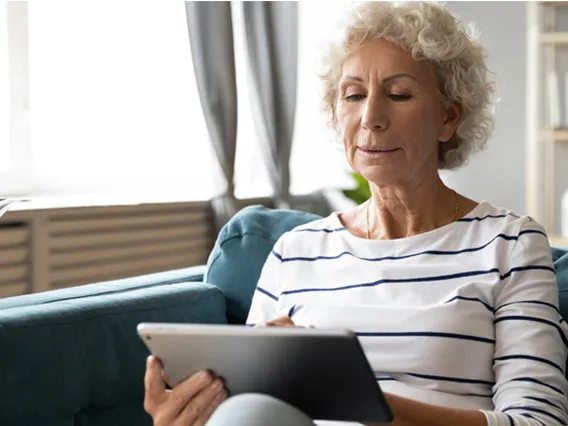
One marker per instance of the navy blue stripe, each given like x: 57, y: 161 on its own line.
x: 532, y: 417
x: 277, y: 255
x: 528, y: 268
x: 544, y: 401
x: 536, y: 302
x: 396, y: 280
x: 385, y: 379
x: 511, y: 422
x: 418, y: 279
x: 263, y: 291
x: 451, y: 379
x: 489, y: 216
x: 407, y: 256
x: 532, y: 231
x: 534, y: 319
x: 530, y: 379
x: 426, y: 334
x: 472, y: 299
x: 329, y: 231
x: 291, y: 311
x: 250, y: 325
x: 532, y: 358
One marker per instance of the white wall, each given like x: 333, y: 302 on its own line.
x: 497, y: 174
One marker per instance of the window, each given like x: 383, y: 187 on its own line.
x: 115, y: 107
x: 317, y: 159
x: 4, y: 94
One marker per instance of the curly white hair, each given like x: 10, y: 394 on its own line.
x: 427, y: 31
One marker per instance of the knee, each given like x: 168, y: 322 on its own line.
x: 256, y: 400
x: 253, y: 409
x: 250, y: 405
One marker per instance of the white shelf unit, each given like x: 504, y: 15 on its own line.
x: 543, y: 41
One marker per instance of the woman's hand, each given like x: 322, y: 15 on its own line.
x: 190, y: 403
x: 282, y: 322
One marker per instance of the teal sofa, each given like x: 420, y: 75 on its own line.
x: 72, y: 357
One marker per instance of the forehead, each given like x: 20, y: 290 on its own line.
x: 380, y: 58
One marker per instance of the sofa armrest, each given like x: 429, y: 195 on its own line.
x: 191, y: 274
x: 69, y: 359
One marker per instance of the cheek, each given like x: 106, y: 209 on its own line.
x: 348, y: 124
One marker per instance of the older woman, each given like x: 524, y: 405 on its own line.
x: 454, y: 301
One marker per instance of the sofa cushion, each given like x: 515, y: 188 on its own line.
x: 241, y: 249
x: 79, y: 361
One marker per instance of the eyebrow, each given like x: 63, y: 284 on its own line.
x: 389, y: 78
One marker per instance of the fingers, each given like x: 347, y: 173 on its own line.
x: 185, y: 392
x: 200, y: 403
x: 280, y: 322
x: 205, y: 415
x: 155, y: 390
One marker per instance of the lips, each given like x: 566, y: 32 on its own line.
x: 373, y: 150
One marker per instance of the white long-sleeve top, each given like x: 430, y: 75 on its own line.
x: 464, y: 316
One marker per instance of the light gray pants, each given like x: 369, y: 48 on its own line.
x: 253, y: 409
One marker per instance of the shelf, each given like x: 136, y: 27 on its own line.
x: 554, y: 135
x: 554, y: 3
x: 554, y: 38
x: 558, y: 240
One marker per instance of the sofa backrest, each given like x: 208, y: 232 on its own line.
x: 245, y: 242
x: 241, y: 249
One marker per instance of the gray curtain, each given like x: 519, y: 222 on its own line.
x: 272, y: 40
x: 210, y: 30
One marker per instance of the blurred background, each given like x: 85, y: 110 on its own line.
x: 130, y: 132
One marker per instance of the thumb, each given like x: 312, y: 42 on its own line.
x: 153, y: 382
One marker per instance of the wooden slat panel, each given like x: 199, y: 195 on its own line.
x: 124, y: 238
x: 13, y: 255
x: 13, y: 273
x: 100, y: 224
x: 13, y: 236
x: 89, y: 275
x: 13, y: 289
x: 156, y: 249
x: 127, y: 210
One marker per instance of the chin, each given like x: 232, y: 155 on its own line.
x: 383, y: 175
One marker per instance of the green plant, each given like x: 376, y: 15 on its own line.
x: 362, y: 192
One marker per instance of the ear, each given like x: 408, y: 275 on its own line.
x: 453, y: 116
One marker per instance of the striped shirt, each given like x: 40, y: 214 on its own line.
x: 464, y: 316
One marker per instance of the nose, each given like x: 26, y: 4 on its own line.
x: 375, y: 117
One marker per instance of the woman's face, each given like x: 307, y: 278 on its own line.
x: 390, y: 115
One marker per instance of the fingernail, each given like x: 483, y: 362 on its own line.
x: 150, y: 361
x: 204, y: 375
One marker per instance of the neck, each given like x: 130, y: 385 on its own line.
x: 406, y: 210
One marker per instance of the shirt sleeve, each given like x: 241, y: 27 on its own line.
x: 530, y: 335
x: 264, y: 306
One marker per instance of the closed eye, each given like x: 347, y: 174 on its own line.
x: 399, y: 98
x: 354, y: 98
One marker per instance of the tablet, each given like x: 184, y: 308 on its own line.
x: 324, y: 373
